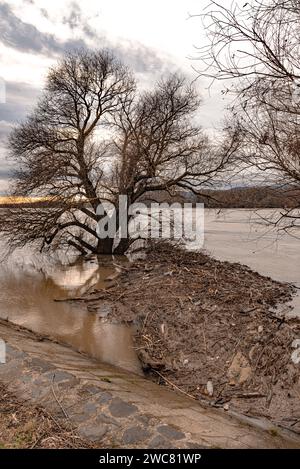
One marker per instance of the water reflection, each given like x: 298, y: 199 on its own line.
x: 28, y: 287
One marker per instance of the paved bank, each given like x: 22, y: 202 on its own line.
x: 118, y: 408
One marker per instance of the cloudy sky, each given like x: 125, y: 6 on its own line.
x: 153, y: 37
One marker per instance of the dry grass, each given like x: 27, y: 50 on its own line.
x: 23, y: 425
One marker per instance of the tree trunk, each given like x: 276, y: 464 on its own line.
x: 104, y: 246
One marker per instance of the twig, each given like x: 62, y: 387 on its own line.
x: 38, y: 440
x: 204, y: 340
x: 249, y: 395
x: 55, y: 397
x: 174, y: 385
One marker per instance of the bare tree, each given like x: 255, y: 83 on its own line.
x: 91, y: 138
x: 255, y: 48
x: 57, y: 156
x: 160, y: 148
x: 256, y: 40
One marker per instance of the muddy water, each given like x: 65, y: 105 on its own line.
x: 243, y: 236
x: 30, y: 284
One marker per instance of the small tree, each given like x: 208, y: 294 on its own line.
x: 91, y: 138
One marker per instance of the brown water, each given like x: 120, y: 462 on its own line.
x: 28, y: 287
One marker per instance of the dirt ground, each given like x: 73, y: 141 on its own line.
x: 210, y: 329
x: 23, y: 425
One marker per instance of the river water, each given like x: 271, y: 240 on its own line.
x: 29, y: 284
x: 244, y: 236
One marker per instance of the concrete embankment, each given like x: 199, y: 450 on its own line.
x: 120, y: 409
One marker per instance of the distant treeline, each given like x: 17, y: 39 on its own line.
x: 252, y: 197
x: 239, y: 197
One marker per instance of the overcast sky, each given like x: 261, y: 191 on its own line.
x: 153, y: 37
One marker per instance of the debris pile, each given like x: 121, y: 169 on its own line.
x: 210, y: 329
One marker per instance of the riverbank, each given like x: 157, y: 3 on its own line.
x: 210, y: 330
x: 112, y: 408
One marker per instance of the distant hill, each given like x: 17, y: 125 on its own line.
x: 252, y: 197
x: 238, y: 197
